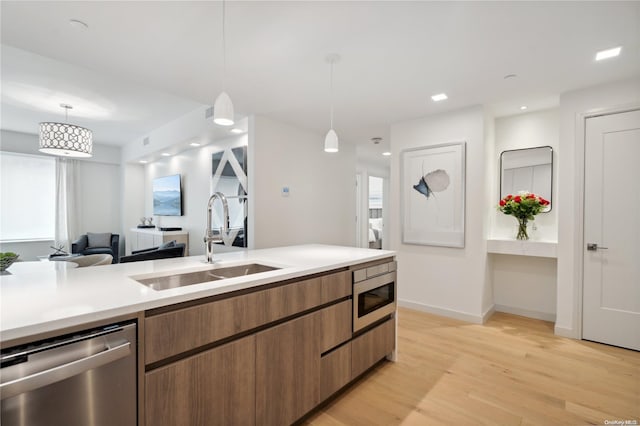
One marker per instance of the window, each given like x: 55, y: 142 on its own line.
x: 27, y: 197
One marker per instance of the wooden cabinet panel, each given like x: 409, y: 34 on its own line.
x: 216, y: 387
x: 288, y: 370
x: 336, y: 286
x: 174, y: 332
x: 335, y: 370
x: 336, y: 323
x: 372, y: 346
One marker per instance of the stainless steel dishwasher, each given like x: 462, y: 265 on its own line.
x: 84, y: 379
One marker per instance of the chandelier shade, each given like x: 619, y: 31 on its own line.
x: 331, y: 141
x: 223, y: 110
x: 65, y: 140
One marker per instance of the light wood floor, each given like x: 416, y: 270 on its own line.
x: 510, y: 371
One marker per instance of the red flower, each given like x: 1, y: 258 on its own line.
x: 544, y: 202
x: 508, y: 197
x: 517, y: 199
x: 531, y: 196
x: 502, y: 203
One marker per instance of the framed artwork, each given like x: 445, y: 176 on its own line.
x: 432, y: 190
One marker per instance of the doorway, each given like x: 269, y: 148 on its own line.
x: 375, y: 215
x: 611, y: 283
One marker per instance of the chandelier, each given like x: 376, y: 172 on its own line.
x: 65, y: 139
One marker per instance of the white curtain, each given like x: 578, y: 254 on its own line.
x: 67, y: 208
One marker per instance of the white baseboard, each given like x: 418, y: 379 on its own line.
x: 487, y: 314
x: 565, y: 332
x: 525, y: 313
x: 462, y: 316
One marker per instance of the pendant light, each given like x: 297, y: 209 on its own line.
x: 65, y: 139
x: 331, y: 140
x: 223, y: 107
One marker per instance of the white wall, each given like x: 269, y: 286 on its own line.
x: 99, y: 193
x: 195, y: 167
x: 524, y: 285
x: 540, y: 128
x: 449, y: 281
x: 321, y: 204
x: 573, y: 106
x: 133, y: 199
x: 99, y: 198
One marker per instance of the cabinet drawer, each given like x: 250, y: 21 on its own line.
x: 335, y: 286
x: 372, y: 346
x: 174, y: 332
x: 336, y: 325
x: 335, y: 371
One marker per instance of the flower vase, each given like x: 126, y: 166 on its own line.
x: 522, y: 229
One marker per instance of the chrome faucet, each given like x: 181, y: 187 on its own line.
x: 209, y: 239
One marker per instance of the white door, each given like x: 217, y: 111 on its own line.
x: 611, y: 294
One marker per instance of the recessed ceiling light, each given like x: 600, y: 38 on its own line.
x: 439, y: 97
x: 386, y: 153
x: 166, y: 154
x: 508, y: 76
x: 75, y: 23
x: 194, y: 144
x: 236, y: 130
x: 609, y: 53
x: 143, y: 161
x: 523, y: 107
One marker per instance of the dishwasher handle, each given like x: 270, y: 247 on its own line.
x: 64, y: 371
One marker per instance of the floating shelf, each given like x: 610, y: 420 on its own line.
x: 523, y: 248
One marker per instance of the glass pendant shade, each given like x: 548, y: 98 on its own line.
x: 331, y: 141
x: 223, y: 110
x: 65, y: 140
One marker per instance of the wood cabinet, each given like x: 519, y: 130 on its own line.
x: 336, y: 325
x: 335, y: 370
x: 215, y: 387
x: 372, y: 346
x: 175, y: 332
x: 293, y: 348
x: 288, y: 370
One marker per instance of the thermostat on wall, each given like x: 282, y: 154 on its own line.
x: 285, y: 191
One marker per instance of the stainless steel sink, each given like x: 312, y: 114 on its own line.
x: 214, y: 274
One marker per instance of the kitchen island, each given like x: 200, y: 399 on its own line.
x: 256, y: 349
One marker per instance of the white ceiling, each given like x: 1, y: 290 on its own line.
x: 140, y: 64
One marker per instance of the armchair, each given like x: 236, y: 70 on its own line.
x: 97, y: 244
x: 176, y: 250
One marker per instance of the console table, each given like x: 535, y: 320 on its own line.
x: 143, y: 238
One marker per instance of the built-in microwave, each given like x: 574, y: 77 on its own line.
x: 374, y: 294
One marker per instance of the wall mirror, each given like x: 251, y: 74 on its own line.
x: 530, y: 170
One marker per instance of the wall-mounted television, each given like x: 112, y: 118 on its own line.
x: 167, y: 196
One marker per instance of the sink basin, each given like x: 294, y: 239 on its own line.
x: 214, y: 274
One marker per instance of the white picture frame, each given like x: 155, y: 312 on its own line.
x: 433, y: 195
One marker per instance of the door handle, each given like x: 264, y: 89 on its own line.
x: 595, y: 246
x: 56, y: 374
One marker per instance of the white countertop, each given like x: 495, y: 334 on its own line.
x: 37, y: 300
